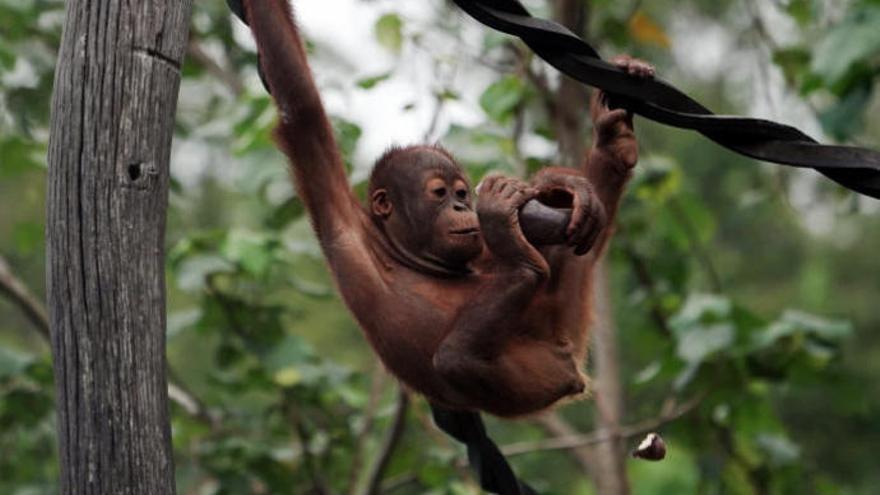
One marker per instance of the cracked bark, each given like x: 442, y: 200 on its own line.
x: 113, y: 106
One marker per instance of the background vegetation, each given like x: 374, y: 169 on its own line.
x: 744, y: 294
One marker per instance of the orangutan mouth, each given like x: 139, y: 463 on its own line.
x: 467, y: 231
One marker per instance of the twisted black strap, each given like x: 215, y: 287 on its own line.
x: 855, y: 168
x: 486, y: 460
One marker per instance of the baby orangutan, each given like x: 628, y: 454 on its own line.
x: 453, y: 298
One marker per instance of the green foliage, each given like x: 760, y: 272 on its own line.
x: 501, y: 99
x: 389, y: 32
x: 371, y: 82
x: 843, y: 61
x: 27, y: 424
x: 29, y: 35
x: 728, y: 295
x: 850, y: 44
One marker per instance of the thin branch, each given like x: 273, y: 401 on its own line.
x: 537, y: 78
x: 435, y: 116
x: 646, y: 280
x: 318, y: 484
x: 400, y: 481
x: 557, y: 426
x: 228, y: 77
x: 759, y: 26
x: 186, y: 401
x: 519, y: 121
x: 227, y: 305
x: 439, y: 104
x: 597, y: 437
x: 357, y: 458
x: 696, y: 244
x: 189, y: 402
x: 609, y: 474
x: 17, y: 292
x: 389, y: 444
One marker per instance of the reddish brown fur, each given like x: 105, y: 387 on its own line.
x: 503, y: 328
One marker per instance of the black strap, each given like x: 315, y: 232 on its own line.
x: 237, y: 8
x: 853, y: 167
x: 487, y: 461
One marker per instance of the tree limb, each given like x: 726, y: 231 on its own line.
x: 609, y: 474
x: 17, y: 292
x: 558, y: 427
x: 697, y: 246
x: 569, y: 442
x: 228, y: 77
x: 319, y: 486
x: 646, y: 280
x: 357, y: 458
x: 389, y: 444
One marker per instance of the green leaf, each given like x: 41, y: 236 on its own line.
x: 198, y: 243
x: 348, y: 134
x: 779, y: 450
x: 292, y: 350
x: 18, y: 155
x: 371, y: 82
x: 794, y: 62
x: 480, y: 150
x: 253, y: 252
x: 648, y: 373
x: 794, y: 323
x: 852, y: 41
x: 448, y: 95
x: 287, y: 376
x: 702, y: 308
x: 389, y: 32
x: 502, y: 97
x: 12, y: 363
x: 701, y: 342
x: 801, y: 11
x: 24, y: 408
x: 658, y: 179
x: 830, y: 330
x: 847, y: 117
x: 192, y: 272
x: 7, y: 57
x: 284, y: 214
x: 254, y: 131
x: 28, y: 236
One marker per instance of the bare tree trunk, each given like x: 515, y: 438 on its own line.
x: 113, y: 107
x: 606, y: 460
x: 610, y: 469
x: 571, y: 101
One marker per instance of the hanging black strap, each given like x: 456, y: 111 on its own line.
x: 853, y: 167
x: 486, y: 460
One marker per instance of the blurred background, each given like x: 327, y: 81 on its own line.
x: 744, y: 295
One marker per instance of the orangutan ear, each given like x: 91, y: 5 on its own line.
x: 380, y: 204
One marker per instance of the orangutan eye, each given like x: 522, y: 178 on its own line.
x: 439, y: 192
x: 461, y: 194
